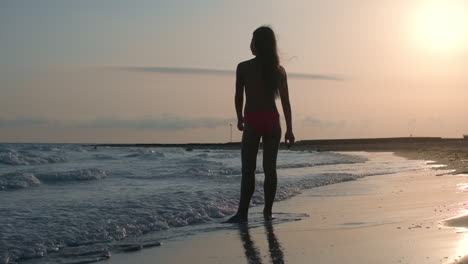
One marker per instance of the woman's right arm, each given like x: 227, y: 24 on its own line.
x: 284, y: 96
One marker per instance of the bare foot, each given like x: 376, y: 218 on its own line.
x: 267, y: 215
x: 236, y: 219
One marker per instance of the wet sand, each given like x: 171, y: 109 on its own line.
x: 406, y: 217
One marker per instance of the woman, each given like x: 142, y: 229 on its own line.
x: 263, y: 79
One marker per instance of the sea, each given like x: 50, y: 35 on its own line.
x: 72, y: 203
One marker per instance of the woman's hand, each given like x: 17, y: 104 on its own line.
x: 240, y: 124
x: 289, y: 138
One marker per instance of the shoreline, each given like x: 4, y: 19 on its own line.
x: 374, y: 219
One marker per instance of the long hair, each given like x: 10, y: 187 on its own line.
x: 264, y: 41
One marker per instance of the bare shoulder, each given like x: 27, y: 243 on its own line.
x: 244, y: 64
x: 243, y: 69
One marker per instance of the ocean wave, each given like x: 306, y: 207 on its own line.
x: 18, y: 180
x: 146, y: 153
x: 103, y: 157
x: 224, y: 156
x: 21, y: 180
x: 209, y: 171
x: 76, y: 175
x: 83, y: 228
x: 177, y: 191
x: 44, y: 148
x: 13, y: 157
x: 134, y: 218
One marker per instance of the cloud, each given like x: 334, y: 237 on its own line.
x: 181, y: 70
x: 27, y: 121
x: 310, y: 121
x: 165, y: 122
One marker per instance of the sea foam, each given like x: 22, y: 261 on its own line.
x: 13, y: 157
x: 21, y: 180
x: 18, y: 180
x: 76, y: 175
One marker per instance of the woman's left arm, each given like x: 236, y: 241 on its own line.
x: 239, y: 98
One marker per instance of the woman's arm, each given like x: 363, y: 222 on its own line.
x: 239, y: 98
x: 284, y: 95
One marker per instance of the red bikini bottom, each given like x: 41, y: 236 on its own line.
x: 262, y: 121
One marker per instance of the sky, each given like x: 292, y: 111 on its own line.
x: 111, y: 71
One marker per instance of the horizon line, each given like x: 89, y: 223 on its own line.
x: 432, y: 138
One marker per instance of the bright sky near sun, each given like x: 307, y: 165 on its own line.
x: 106, y: 71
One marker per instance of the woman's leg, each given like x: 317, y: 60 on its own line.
x: 270, y: 151
x: 249, y: 150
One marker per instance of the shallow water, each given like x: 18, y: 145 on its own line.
x: 68, y: 202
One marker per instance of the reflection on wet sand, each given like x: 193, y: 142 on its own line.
x: 276, y: 252
x: 252, y: 253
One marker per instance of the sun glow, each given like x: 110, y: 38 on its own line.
x: 441, y: 25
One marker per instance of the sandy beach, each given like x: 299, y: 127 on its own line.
x: 410, y: 217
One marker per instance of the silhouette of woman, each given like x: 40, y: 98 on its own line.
x: 263, y: 80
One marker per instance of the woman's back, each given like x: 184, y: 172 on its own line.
x: 257, y: 98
